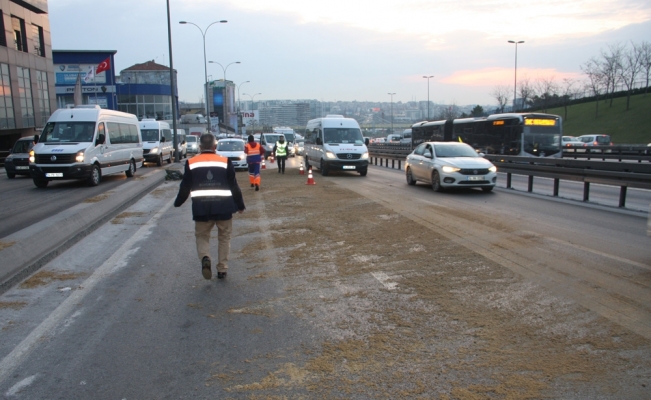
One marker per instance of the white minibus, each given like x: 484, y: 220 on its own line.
x: 157, y: 141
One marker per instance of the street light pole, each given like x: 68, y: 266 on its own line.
x: 391, y: 94
x: 427, y: 77
x: 224, y: 69
x: 515, y: 76
x: 205, y: 64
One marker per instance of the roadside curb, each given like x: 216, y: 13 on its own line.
x: 31, y: 248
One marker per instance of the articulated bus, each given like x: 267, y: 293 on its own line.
x: 518, y: 134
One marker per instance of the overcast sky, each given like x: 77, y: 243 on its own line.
x: 355, y: 49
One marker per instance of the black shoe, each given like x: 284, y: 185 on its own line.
x: 221, y: 275
x: 252, y: 185
x: 257, y: 187
x: 205, y: 268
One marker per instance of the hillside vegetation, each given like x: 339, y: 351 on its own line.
x: 624, y: 127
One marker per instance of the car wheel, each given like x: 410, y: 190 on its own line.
x: 363, y: 172
x: 436, y: 182
x: 159, y: 162
x: 95, y: 176
x: 323, y: 168
x: 132, y: 169
x: 10, y: 175
x: 410, y: 178
x: 487, y: 188
x: 41, y: 183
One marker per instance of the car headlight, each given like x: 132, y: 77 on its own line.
x: 330, y: 154
x: 449, y: 169
x: 493, y: 169
x: 32, y: 157
x: 365, y: 156
x: 154, y: 150
x: 79, y: 157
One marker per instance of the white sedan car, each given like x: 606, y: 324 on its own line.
x: 233, y: 149
x: 449, y: 165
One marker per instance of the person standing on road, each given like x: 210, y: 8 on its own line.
x: 210, y: 180
x: 280, y: 153
x: 254, y: 153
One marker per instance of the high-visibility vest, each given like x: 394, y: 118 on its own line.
x: 254, y: 152
x: 281, y: 149
x: 210, y: 192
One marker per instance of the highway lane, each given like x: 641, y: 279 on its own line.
x: 124, y: 313
x: 23, y: 204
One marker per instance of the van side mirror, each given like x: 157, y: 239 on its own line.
x: 319, y: 141
x: 35, y: 139
x: 367, y: 141
x: 162, y: 140
x: 100, y: 139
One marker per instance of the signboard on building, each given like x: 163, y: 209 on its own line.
x: 66, y: 74
x: 250, y: 117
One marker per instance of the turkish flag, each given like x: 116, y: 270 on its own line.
x: 103, y: 66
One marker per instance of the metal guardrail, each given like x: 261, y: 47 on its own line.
x: 634, y: 152
x: 622, y: 174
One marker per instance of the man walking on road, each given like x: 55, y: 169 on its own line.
x: 210, y: 180
x: 280, y: 152
x: 254, y: 153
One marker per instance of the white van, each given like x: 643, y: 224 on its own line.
x: 157, y: 141
x: 335, y: 143
x: 181, y: 145
x: 86, y: 142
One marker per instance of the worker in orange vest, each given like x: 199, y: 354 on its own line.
x: 254, y: 155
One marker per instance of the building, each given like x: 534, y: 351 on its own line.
x: 144, y: 90
x: 26, y: 69
x: 97, y: 88
x: 221, y: 104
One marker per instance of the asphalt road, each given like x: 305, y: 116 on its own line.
x: 124, y: 313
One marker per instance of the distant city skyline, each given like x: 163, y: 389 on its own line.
x: 319, y: 51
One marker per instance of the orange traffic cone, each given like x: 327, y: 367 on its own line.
x: 271, y: 159
x: 310, y: 178
x: 263, y: 166
x: 301, y: 171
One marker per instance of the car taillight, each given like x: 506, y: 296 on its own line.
x: 595, y: 143
x: 611, y: 143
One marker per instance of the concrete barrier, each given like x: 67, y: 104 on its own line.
x: 24, y: 252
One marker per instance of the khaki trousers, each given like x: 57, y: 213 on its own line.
x: 202, y: 234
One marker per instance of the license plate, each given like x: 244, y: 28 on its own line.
x: 54, y: 175
x: 475, y: 178
x: 22, y: 167
x: 349, y: 167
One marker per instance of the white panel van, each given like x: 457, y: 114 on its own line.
x: 86, y: 142
x: 335, y: 143
x: 157, y: 141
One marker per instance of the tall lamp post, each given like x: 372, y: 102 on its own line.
x: 427, y: 77
x: 205, y: 64
x: 239, y: 106
x: 391, y: 94
x: 224, y: 68
x: 515, y: 76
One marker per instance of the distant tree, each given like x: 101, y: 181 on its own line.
x: 596, y: 80
x: 527, y: 91
x: 501, y: 94
x: 546, y: 91
x: 631, y: 66
x: 464, y: 115
x: 645, y: 49
x: 611, y: 64
x: 568, y: 92
x: 478, y: 111
x: 449, y: 112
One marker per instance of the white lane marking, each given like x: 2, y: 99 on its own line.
x: 383, y: 279
x: 588, y: 250
x: 20, y: 386
x: 114, y: 263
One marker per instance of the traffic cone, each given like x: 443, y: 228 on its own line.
x: 310, y: 178
x: 271, y: 159
x: 301, y: 171
x: 263, y: 166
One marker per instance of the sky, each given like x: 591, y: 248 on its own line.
x: 346, y: 50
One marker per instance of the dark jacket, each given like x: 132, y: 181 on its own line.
x: 210, y: 180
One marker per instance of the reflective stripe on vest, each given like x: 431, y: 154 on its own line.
x: 211, y: 193
x: 281, y: 149
x: 200, y: 164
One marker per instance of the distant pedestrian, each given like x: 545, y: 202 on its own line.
x: 280, y: 153
x: 254, y: 155
x: 210, y: 180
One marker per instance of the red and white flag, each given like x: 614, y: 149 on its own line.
x: 103, y: 66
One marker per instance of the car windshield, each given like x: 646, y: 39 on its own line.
x: 191, y: 139
x: 454, y: 150
x: 68, y: 132
x: 22, y: 146
x: 230, y: 145
x: 343, y: 135
x: 149, y: 135
x: 289, y: 137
